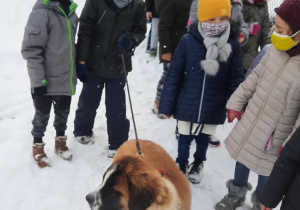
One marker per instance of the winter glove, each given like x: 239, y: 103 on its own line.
x: 242, y: 38
x: 39, y: 91
x: 253, y: 29
x: 231, y: 115
x: 126, y: 43
x: 82, y: 72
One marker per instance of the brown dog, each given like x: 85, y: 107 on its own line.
x: 134, y: 183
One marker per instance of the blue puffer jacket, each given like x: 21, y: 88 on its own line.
x: 191, y: 95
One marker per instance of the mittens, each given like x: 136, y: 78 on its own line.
x: 231, y: 115
x: 254, y: 28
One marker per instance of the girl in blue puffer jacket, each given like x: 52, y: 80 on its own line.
x: 205, y: 70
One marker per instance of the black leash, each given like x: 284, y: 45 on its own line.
x: 135, y: 130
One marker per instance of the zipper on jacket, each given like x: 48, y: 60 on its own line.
x: 261, y: 111
x: 71, y: 50
x: 101, y: 17
x: 201, y: 100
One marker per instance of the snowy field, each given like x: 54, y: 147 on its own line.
x: 63, y: 186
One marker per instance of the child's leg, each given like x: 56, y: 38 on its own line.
x: 241, y: 175
x: 160, y: 84
x: 42, y: 105
x: 201, y: 148
x: 117, y: 122
x: 184, y: 142
x: 88, y: 103
x: 154, y: 33
x: 61, y: 110
x: 260, y: 184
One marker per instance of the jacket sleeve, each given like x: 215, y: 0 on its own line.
x: 87, y: 21
x: 173, y: 81
x: 236, y: 72
x: 296, y: 126
x: 33, y: 46
x: 244, y: 30
x: 167, y: 18
x: 283, y: 174
x: 245, y: 91
x: 149, y: 5
x: 265, y: 27
x: 140, y: 24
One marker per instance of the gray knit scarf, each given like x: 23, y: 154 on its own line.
x: 217, y: 50
x: 122, y: 3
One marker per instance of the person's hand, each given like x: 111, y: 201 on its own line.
x: 254, y: 28
x: 39, y: 91
x: 149, y: 15
x: 166, y: 57
x: 264, y: 207
x: 82, y: 71
x: 231, y: 115
x: 126, y: 43
x: 241, y: 38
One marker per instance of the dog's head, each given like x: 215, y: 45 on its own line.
x: 129, y: 184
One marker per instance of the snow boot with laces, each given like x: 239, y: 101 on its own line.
x: 61, y: 149
x: 236, y: 196
x: 39, y: 155
x: 195, y: 173
x: 255, y: 202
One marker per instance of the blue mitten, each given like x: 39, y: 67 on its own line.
x: 82, y: 72
x: 126, y: 43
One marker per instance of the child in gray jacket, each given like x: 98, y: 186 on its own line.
x: 49, y: 48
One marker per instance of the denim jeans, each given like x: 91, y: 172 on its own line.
x: 184, y: 143
x: 241, y: 176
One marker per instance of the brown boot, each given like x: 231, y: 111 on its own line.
x: 61, y: 149
x: 39, y: 155
x: 155, y: 110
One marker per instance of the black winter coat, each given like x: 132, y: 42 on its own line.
x: 101, y: 25
x: 193, y: 96
x: 284, y: 181
x: 173, y: 18
x: 150, y: 7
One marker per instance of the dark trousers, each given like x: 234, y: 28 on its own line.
x: 42, y: 105
x: 241, y: 176
x: 184, y: 143
x: 115, y: 102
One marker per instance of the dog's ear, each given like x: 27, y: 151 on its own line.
x: 145, y: 188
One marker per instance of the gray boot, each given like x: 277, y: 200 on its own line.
x: 236, y: 196
x: 255, y: 202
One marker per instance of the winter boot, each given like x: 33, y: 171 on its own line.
x: 111, y: 153
x: 255, y: 202
x: 236, y: 196
x: 183, y: 168
x: 61, y: 149
x: 83, y: 139
x: 214, y: 142
x: 39, y: 155
x: 153, y: 52
x: 155, y: 110
x: 195, y: 174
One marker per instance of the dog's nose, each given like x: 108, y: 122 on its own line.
x: 89, y: 198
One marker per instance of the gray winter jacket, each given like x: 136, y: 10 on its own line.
x: 49, y: 47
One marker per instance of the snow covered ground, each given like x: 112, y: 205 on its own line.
x: 63, y: 186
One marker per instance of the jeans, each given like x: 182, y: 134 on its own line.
x: 241, y: 176
x: 184, y: 142
x: 115, y: 102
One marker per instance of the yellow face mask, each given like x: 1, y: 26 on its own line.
x: 283, y: 42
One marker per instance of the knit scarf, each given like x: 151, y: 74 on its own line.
x: 218, y: 50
